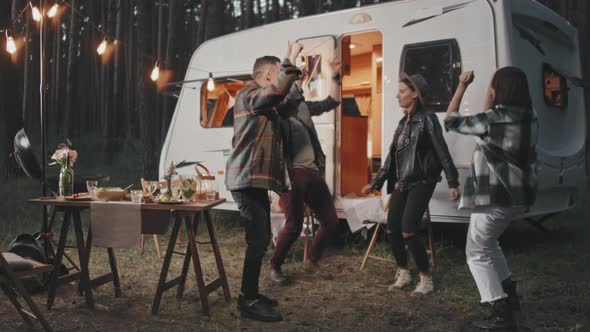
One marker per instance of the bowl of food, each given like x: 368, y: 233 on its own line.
x: 110, y: 194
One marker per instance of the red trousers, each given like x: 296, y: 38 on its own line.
x: 308, y: 188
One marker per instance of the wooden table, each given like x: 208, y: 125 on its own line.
x: 191, y: 213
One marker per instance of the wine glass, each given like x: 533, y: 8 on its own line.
x: 176, y: 188
x: 150, y: 187
x: 91, y: 186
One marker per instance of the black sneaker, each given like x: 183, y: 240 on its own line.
x: 509, y: 287
x: 259, y: 309
x: 268, y: 300
x: 501, y: 318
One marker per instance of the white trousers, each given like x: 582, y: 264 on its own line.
x: 484, y: 255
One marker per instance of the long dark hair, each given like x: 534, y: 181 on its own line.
x: 410, y: 85
x: 512, y: 88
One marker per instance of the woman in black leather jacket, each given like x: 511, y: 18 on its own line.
x: 413, y: 166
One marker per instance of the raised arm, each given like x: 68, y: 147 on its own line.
x: 260, y: 101
x: 464, y: 80
x: 468, y: 125
x: 333, y: 100
x: 257, y: 100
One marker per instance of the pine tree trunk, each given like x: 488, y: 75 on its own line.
x: 169, y: 65
x: 55, y: 105
x: 70, y: 94
x: 249, y: 11
x: 201, y: 30
x: 276, y: 10
x: 216, y: 19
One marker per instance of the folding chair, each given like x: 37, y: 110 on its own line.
x: 307, y: 231
x: 10, y: 275
x: 156, y: 239
x: 376, y: 232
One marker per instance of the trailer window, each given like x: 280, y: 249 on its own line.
x: 217, y: 106
x: 554, y: 87
x: 440, y: 64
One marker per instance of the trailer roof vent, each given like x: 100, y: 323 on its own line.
x: 361, y: 18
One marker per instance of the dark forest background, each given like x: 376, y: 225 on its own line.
x: 107, y: 105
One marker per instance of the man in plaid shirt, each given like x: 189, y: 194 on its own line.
x: 256, y: 165
x: 500, y: 186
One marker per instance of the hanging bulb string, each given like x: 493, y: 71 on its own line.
x: 86, y: 19
x: 106, y: 37
x: 27, y: 6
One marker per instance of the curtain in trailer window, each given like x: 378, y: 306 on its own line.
x: 217, y: 105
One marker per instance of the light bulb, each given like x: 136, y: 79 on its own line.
x: 102, y: 47
x: 210, y: 83
x: 155, y: 72
x: 36, y: 14
x: 10, y: 45
x: 53, y: 10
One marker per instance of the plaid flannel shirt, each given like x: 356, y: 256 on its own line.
x: 256, y: 159
x: 504, y: 169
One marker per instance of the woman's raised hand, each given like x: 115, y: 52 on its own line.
x: 466, y: 77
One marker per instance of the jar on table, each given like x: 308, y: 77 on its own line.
x: 209, y: 187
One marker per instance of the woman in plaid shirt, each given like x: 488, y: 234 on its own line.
x: 501, y: 183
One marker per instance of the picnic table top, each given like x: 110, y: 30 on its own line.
x: 185, y: 206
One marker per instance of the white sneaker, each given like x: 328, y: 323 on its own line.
x: 425, y: 285
x: 402, y: 279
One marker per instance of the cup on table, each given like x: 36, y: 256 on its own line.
x: 136, y: 196
x: 91, y: 187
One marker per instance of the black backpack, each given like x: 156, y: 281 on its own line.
x: 25, y: 245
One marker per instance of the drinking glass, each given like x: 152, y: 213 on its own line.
x: 150, y: 187
x: 91, y: 186
x: 136, y: 196
x: 176, y: 190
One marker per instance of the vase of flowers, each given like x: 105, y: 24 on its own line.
x: 65, y: 157
x: 170, y: 172
x: 173, y: 180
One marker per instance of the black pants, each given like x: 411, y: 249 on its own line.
x: 404, y: 216
x: 255, y: 212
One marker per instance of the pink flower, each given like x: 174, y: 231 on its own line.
x: 73, y: 157
x: 171, y: 169
x: 63, y: 154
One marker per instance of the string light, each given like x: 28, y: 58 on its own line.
x: 53, y: 10
x: 36, y: 13
x: 155, y: 72
x: 210, y: 83
x: 102, y: 47
x: 10, y: 45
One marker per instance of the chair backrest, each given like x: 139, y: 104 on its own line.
x: 23, y: 153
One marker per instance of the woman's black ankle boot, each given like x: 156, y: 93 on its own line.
x: 513, y: 299
x: 502, y: 317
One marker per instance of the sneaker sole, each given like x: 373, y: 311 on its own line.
x: 260, y: 319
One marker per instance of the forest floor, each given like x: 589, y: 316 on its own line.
x: 552, y: 269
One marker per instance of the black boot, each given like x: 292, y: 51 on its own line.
x: 262, y: 309
x: 509, y: 287
x: 502, y: 317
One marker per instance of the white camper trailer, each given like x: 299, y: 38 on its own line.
x: 437, y: 38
